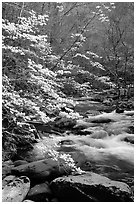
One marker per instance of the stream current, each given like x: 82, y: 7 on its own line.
x: 105, y: 151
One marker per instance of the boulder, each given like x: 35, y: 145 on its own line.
x: 16, y: 190
x: 7, y: 180
x: 130, y: 129
x: 82, y: 124
x: 106, y: 117
x: 119, y: 110
x: 20, y: 162
x: 84, y: 132
x: 40, y: 193
x: 6, y: 168
x: 129, y: 139
x: 92, y: 112
x: 99, y: 120
x: 64, y: 122
x: 90, y: 187
x: 66, y: 142
x: 129, y: 113
x: 99, y: 134
x: 47, y: 169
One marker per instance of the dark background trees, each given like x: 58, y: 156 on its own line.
x: 96, y: 36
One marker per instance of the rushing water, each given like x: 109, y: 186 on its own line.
x: 104, y: 151
x: 109, y: 156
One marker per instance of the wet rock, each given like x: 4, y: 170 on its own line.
x: 129, y: 113
x: 43, y: 127
x: 20, y: 162
x: 119, y: 110
x: 66, y: 149
x: 40, y: 193
x: 99, y: 120
x: 129, y: 139
x: 79, y: 158
x: 83, y: 132
x: 93, y: 113
x: 16, y: 190
x: 47, y: 169
x: 106, y: 117
x: 66, y: 142
x: 90, y: 187
x: 6, y: 168
x: 81, y: 124
x: 99, y: 134
x: 7, y: 180
x: 131, y: 129
x: 64, y: 122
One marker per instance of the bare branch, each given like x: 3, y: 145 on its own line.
x: 82, y: 31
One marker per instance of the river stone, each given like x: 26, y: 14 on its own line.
x: 83, y: 132
x: 7, y: 180
x: 82, y: 124
x: 129, y: 139
x: 99, y: 120
x: 20, y: 162
x: 64, y: 122
x: 90, y: 187
x: 40, y: 193
x: 6, y: 168
x: 16, y: 190
x: 129, y: 113
x: 47, y: 169
x: 66, y: 142
x: 92, y: 112
x: 99, y: 134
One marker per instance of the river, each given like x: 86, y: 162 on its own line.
x: 104, y: 151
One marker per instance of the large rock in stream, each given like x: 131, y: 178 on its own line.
x: 90, y: 187
x: 40, y: 193
x: 15, y: 189
x: 38, y: 171
x: 6, y: 168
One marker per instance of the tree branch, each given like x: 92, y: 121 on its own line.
x: 23, y: 4
x: 68, y: 49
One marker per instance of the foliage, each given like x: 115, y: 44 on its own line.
x: 28, y: 84
x: 55, y: 51
x: 65, y: 161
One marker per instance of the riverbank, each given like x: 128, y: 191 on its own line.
x: 101, y: 143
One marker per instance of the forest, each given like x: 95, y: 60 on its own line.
x: 67, y: 101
